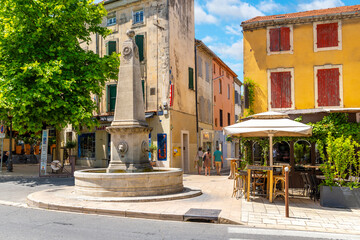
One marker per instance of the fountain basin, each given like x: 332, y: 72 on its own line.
x: 98, y: 183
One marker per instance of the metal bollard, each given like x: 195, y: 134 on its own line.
x: 286, y: 192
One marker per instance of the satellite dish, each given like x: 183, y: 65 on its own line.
x: 55, y: 165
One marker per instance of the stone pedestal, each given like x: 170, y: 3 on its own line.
x: 129, y: 149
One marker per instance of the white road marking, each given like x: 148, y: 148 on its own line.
x: 290, y: 233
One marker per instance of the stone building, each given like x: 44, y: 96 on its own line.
x: 165, y: 37
x: 204, y: 91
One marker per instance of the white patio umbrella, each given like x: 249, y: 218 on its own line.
x: 269, y: 124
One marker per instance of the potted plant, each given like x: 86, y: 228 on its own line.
x: 341, y: 187
x: 70, y: 145
x: 152, y: 150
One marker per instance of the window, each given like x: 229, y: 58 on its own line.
x: 229, y: 121
x: 110, y: 47
x: 219, y: 70
x: 139, y: 40
x: 199, y: 70
x: 281, y: 93
x: 111, y: 19
x: 328, y: 86
x: 214, y: 98
x: 228, y: 91
x: 207, y: 73
x: 327, y: 36
x: 215, y: 122
x: 279, y: 40
x: 111, y: 93
x: 86, y: 145
x: 191, y: 78
x: 237, y: 96
x: 220, y: 86
x: 138, y: 17
x: 214, y: 68
x: 221, y: 117
x: 227, y: 74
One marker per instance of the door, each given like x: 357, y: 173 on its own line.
x: 185, y: 149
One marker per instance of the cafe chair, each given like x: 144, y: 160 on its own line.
x: 280, y: 180
x: 306, y: 188
x: 259, y: 182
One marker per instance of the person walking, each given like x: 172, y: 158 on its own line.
x: 199, y: 160
x: 207, y: 162
x: 218, y: 160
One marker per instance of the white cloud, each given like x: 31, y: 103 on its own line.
x: 237, y: 67
x: 202, y: 17
x: 320, y: 4
x: 269, y: 6
x: 233, y: 29
x: 233, y: 51
x: 208, y: 39
x: 234, y: 9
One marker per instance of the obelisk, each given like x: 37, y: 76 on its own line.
x: 129, y: 130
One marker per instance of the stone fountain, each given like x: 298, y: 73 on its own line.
x: 129, y: 173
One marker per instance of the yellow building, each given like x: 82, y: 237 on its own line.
x: 304, y: 64
x: 305, y: 61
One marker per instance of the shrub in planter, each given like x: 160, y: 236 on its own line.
x: 341, y: 170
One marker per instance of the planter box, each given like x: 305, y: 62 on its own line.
x: 339, y: 197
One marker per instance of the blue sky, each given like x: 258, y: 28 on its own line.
x: 217, y: 22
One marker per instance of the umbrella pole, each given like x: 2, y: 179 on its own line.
x: 271, y: 149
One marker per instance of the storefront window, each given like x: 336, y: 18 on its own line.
x: 87, y: 145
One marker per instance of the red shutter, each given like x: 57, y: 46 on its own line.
x: 274, y: 39
x: 286, y: 90
x: 328, y: 87
x: 276, y: 89
x: 285, y: 39
x: 327, y: 35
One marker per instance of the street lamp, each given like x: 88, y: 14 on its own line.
x: 10, y: 163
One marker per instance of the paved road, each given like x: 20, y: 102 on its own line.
x: 16, y: 189
x: 27, y: 224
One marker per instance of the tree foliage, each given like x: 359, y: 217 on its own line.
x: 46, y: 78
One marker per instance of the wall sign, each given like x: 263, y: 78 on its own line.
x: 44, y: 148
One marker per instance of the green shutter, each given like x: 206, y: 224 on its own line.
x: 111, y: 47
x: 143, y: 88
x: 191, y: 78
x: 112, y: 97
x: 139, y: 39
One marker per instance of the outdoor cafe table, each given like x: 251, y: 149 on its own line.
x: 269, y: 174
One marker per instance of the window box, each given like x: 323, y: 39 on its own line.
x: 281, y: 88
x: 327, y: 36
x: 280, y: 40
x: 328, y: 86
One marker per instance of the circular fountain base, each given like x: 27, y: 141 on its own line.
x: 98, y: 183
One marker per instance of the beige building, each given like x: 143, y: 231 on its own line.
x: 165, y: 37
x: 204, y: 86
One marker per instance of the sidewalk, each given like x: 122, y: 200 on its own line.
x: 305, y: 214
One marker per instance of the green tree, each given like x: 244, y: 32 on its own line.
x: 46, y: 78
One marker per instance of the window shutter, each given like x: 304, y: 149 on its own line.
x: 191, y: 78
x: 285, y: 38
x: 111, y: 47
x: 112, y: 97
x: 143, y: 88
x: 327, y: 35
x: 139, y: 40
x: 274, y: 39
x: 286, y: 89
x: 328, y: 87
